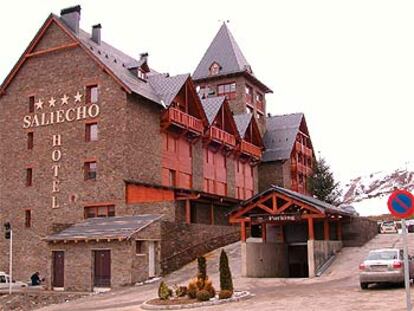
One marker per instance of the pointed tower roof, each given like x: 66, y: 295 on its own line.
x: 224, y: 51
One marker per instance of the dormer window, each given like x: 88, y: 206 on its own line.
x: 141, y: 74
x: 214, y: 69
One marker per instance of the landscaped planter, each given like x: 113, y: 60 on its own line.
x: 185, y: 303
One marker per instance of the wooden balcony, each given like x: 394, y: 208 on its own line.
x: 220, y: 136
x: 309, y: 171
x: 299, y: 147
x: 308, y: 152
x: 260, y: 106
x: 183, y: 120
x: 301, y: 168
x: 250, y: 149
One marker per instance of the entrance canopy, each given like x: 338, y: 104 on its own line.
x: 279, y: 205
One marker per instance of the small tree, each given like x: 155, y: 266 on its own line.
x: 226, y: 282
x: 202, y: 268
x: 322, y: 184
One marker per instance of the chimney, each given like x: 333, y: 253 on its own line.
x: 96, y: 33
x: 71, y: 17
x: 143, y: 56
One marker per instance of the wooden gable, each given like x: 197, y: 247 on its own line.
x: 224, y: 120
x: 252, y: 134
x: 188, y: 101
x: 274, y: 203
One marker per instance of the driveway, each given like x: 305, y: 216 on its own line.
x: 337, y: 290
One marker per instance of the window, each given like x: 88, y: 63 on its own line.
x: 214, y: 69
x: 249, y: 94
x: 31, y: 104
x: 172, y: 177
x: 30, y: 140
x: 91, y: 132
x: 92, y: 94
x: 228, y: 90
x: 99, y: 211
x: 28, y: 218
x: 142, y: 75
x: 139, y: 249
x: 29, y: 177
x: 90, y: 170
x: 259, y: 97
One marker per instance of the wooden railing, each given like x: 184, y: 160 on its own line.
x: 260, y: 106
x: 222, y: 136
x: 250, y: 149
x: 183, y: 119
x: 309, y: 171
x: 308, y: 152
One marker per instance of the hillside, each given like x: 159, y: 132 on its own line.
x: 369, y: 194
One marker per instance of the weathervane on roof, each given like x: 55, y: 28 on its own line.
x: 227, y: 21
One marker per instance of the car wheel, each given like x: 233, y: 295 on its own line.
x: 364, y: 285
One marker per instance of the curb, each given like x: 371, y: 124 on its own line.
x: 242, y: 296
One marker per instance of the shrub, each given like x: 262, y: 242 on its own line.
x: 181, y: 291
x: 226, y: 282
x: 225, y: 294
x: 208, y: 286
x: 203, y: 295
x: 164, y: 292
x: 192, y: 289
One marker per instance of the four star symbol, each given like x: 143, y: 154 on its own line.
x: 64, y: 99
x: 78, y: 97
x: 39, y: 104
x: 52, y: 102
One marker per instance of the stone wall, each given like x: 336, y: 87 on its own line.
x: 181, y: 243
x: 78, y: 275
x: 274, y: 173
x: 358, y: 231
x: 319, y: 252
x: 268, y: 259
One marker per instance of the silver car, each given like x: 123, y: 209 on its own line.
x: 384, y: 266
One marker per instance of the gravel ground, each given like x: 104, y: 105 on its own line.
x: 337, y: 290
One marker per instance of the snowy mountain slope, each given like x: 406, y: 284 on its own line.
x: 369, y: 194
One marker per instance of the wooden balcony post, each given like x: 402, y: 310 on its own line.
x: 187, y: 212
x: 311, y: 230
x: 326, y: 229
x: 243, y: 231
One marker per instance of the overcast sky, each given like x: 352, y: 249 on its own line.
x: 348, y: 65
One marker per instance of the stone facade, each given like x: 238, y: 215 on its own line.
x: 358, y: 231
x: 182, y: 243
x: 274, y: 173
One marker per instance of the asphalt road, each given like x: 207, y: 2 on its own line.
x: 338, y: 289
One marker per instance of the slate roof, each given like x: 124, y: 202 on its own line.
x: 280, y: 136
x: 159, y: 88
x: 242, y: 122
x: 322, y: 206
x: 211, y: 106
x: 167, y: 87
x: 119, y: 62
x: 105, y: 228
x: 225, y: 51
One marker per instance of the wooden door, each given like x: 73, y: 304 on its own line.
x: 58, y: 267
x: 102, y: 271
